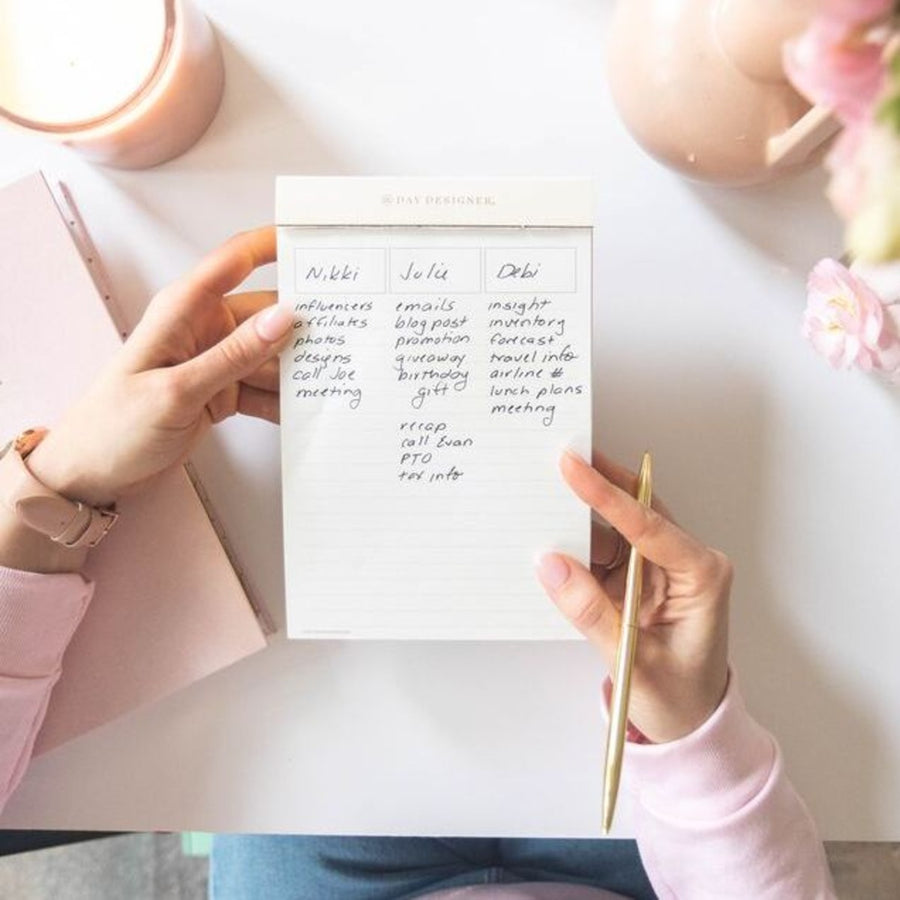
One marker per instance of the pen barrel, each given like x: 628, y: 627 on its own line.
x: 621, y: 687
x: 618, y: 722
x: 625, y: 655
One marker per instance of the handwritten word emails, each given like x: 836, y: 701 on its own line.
x: 434, y: 378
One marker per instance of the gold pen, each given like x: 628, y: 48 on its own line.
x: 621, y: 679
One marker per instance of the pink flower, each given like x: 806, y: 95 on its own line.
x: 845, y: 321
x: 849, y: 172
x: 834, y: 69
x: 862, y: 163
x: 890, y: 361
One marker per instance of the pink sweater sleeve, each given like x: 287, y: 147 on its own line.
x: 717, y: 817
x: 38, y: 616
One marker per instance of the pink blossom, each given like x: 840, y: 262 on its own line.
x: 890, y: 361
x: 849, y: 173
x: 832, y: 70
x: 845, y: 321
x: 862, y: 162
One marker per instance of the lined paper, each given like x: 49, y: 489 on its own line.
x: 435, y: 376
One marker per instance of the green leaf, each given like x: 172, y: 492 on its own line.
x: 888, y: 112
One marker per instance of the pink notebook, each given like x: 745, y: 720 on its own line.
x: 168, y: 607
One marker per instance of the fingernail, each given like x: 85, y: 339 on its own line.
x: 273, y: 323
x: 553, y: 571
x: 574, y: 454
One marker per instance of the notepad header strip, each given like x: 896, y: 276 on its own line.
x: 376, y: 201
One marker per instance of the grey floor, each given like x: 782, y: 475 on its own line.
x: 152, y: 867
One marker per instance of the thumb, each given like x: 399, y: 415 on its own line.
x: 581, y: 599
x: 243, y: 351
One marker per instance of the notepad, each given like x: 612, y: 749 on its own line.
x: 441, y: 363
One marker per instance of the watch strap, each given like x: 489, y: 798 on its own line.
x: 68, y: 522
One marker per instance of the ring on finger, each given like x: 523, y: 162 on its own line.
x: 618, y: 556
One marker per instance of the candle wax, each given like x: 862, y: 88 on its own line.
x: 65, y: 62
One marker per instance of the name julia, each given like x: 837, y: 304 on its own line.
x: 435, y: 272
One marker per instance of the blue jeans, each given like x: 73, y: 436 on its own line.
x: 284, y: 867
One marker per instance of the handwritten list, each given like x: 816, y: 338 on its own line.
x: 434, y: 378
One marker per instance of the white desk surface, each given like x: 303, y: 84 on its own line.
x: 763, y: 451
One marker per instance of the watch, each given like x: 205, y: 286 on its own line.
x: 68, y: 522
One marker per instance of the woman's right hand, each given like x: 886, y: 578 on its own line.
x: 681, y: 668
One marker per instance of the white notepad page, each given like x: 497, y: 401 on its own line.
x: 436, y: 374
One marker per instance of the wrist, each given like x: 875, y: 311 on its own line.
x: 29, y: 551
x: 42, y: 529
x: 56, y: 468
x: 665, y: 711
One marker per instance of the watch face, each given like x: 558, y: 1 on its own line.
x: 24, y: 442
x: 27, y: 441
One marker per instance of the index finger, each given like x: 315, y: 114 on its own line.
x: 654, y: 536
x: 228, y: 265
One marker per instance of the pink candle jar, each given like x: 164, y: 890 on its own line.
x: 127, y: 84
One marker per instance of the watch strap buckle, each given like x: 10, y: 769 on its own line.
x: 87, y: 527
